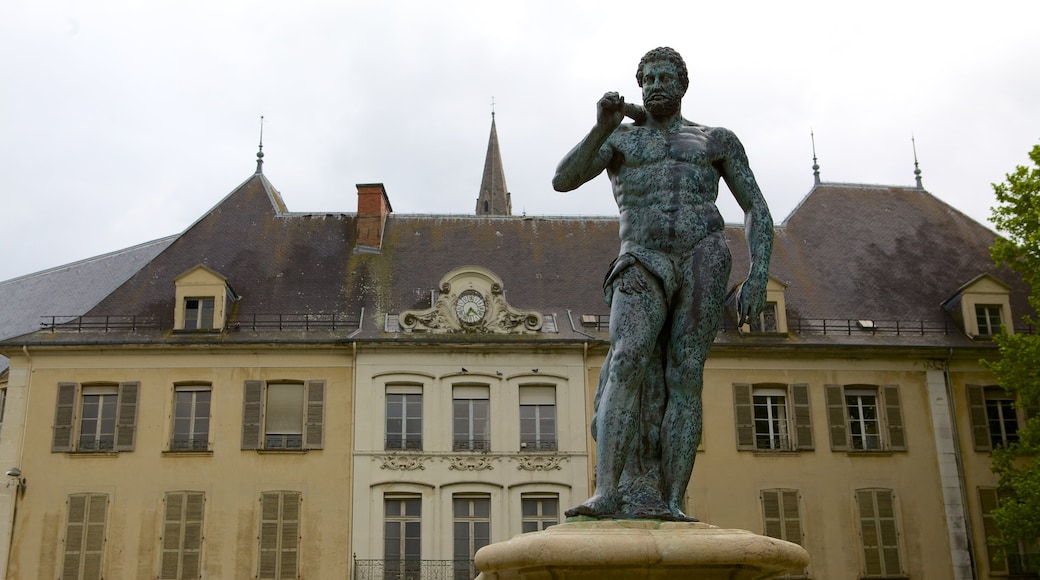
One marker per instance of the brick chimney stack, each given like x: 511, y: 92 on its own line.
x: 373, y: 207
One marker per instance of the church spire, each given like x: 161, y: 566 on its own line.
x: 494, y: 195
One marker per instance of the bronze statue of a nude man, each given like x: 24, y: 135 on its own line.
x: 667, y: 287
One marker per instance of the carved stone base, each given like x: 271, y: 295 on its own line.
x: 637, y: 550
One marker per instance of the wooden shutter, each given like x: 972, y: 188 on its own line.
x: 979, y: 424
x: 252, y: 414
x: 989, y: 501
x: 279, y: 534
x: 742, y: 410
x: 85, y: 536
x: 314, y: 416
x: 878, y: 532
x: 894, y: 418
x: 781, y: 515
x: 791, y: 515
x: 803, y: 434
x: 64, y: 417
x: 771, y: 515
x: 126, y: 416
x: 181, y: 541
x: 836, y: 418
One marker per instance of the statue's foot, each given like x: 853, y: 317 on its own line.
x: 678, y: 515
x: 597, y: 507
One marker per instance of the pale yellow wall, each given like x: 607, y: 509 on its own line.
x: 231, y: 478
x: 438, y: 369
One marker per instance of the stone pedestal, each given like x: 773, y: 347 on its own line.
x: 639, y: 549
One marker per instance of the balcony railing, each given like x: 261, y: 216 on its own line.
x: 404, y: 444
x: 471, y: 445
x: 414, y: 570
x: 242, y: 322
x: 189, y: 444
x: 538, y: 445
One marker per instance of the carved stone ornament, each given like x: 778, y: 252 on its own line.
x: 471, y: 299
x: 471, y: 462
x: 403, y: 462
x: 538, y: 462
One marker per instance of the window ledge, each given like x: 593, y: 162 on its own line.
x: 282, y: 451
x: 188, y: 453
x: 778, y: 452
x: 197, y: 330
x: 871, y: 453
x: 92, y: 454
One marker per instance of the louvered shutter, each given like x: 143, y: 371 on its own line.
x: 802, y: 418
x: 979, y: 424
x: 290, y: 535
x: 64, y: 417
x: 126, y: 416
x: 182, y: 535
x: 279, y: 534
x: 868, y: 530
x: 252, y: 414
x: 791, y: 516
x: 742, y: 410
x: 894, y: 418
x: 836, y: 418
x: 879, y: 532
x: 989, y: 501
x: 85, y: 536
x: 314, y: 419
x: 774, y: 525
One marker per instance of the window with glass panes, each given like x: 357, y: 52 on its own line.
x: 283, y: 416
x: 1002, y: 418
x: 538, y: 511
x: 198, y: 313
x: 771, y: 426
x: 471, y: 531
x: 988, y: 318
x: 766, y: 320
x: 97, y: 428
x: 538, y: 418
x: 191, y: 404
x: 864, y: 427
x: 402, y: 536
x: 471, y: 418
x: 404, y: 417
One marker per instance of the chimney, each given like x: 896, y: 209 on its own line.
x: 372, y: 208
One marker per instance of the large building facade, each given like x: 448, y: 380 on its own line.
x: 373, y: 395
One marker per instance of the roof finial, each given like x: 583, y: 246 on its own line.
x: 917, y: 169
x: 492, y: 108
x: 815, y: 165
x: 260, y: 153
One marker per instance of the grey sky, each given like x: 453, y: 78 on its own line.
x: 121, y: 122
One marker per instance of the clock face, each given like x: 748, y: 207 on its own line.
x: 470, y: 307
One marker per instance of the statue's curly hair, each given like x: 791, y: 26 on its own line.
x: 666, y: 54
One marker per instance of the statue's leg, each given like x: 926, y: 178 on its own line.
x: 641, y: 485
x: 636, y: 317
x: 696, y: 314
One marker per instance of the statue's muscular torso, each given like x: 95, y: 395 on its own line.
x: 666, y: 184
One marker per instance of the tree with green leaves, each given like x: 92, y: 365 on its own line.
x: 1017, y: 217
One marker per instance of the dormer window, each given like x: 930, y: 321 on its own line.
x: 204, y: 300
x: 982, y: 308
x: 198, y: 313
x: 773, y: 318
x: 767, y: 320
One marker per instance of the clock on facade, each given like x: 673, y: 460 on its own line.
x: 470, y: 307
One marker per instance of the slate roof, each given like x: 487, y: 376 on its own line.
x: 848, y: 252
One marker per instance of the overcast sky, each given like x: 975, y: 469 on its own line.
x: 123, y: 122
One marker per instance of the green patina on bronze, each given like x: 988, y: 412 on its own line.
x: 666, y: 288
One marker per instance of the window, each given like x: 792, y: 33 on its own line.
x: 766, y: 321
x: 404, y: 411
x: 283, y: 415
x: 472, y: 531
x: 538, y: 511
x: 95, y: 417
x: 402, y: 537
x: 198, y: 313
x: 182, y: 535
x: 191, y: 405
x: 772, y: 417
x: 865, y: 418
x: 879, y: 533
x: 538, y: 418
x: 279, y: 535
x: 995, y: 417
x: 84, y: 536
x: 1019, y: 558
x: 471, y: 418
x: 988, y: 318
x: 781, y: 518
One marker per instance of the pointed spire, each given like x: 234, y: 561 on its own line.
x: 917, y: 168
x: 815, y: 165
x: 260, y: 153
x: 494, y: 198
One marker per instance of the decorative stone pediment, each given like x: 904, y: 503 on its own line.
x: 471, y: 299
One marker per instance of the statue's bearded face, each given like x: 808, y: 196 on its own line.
x: 662, y: 90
